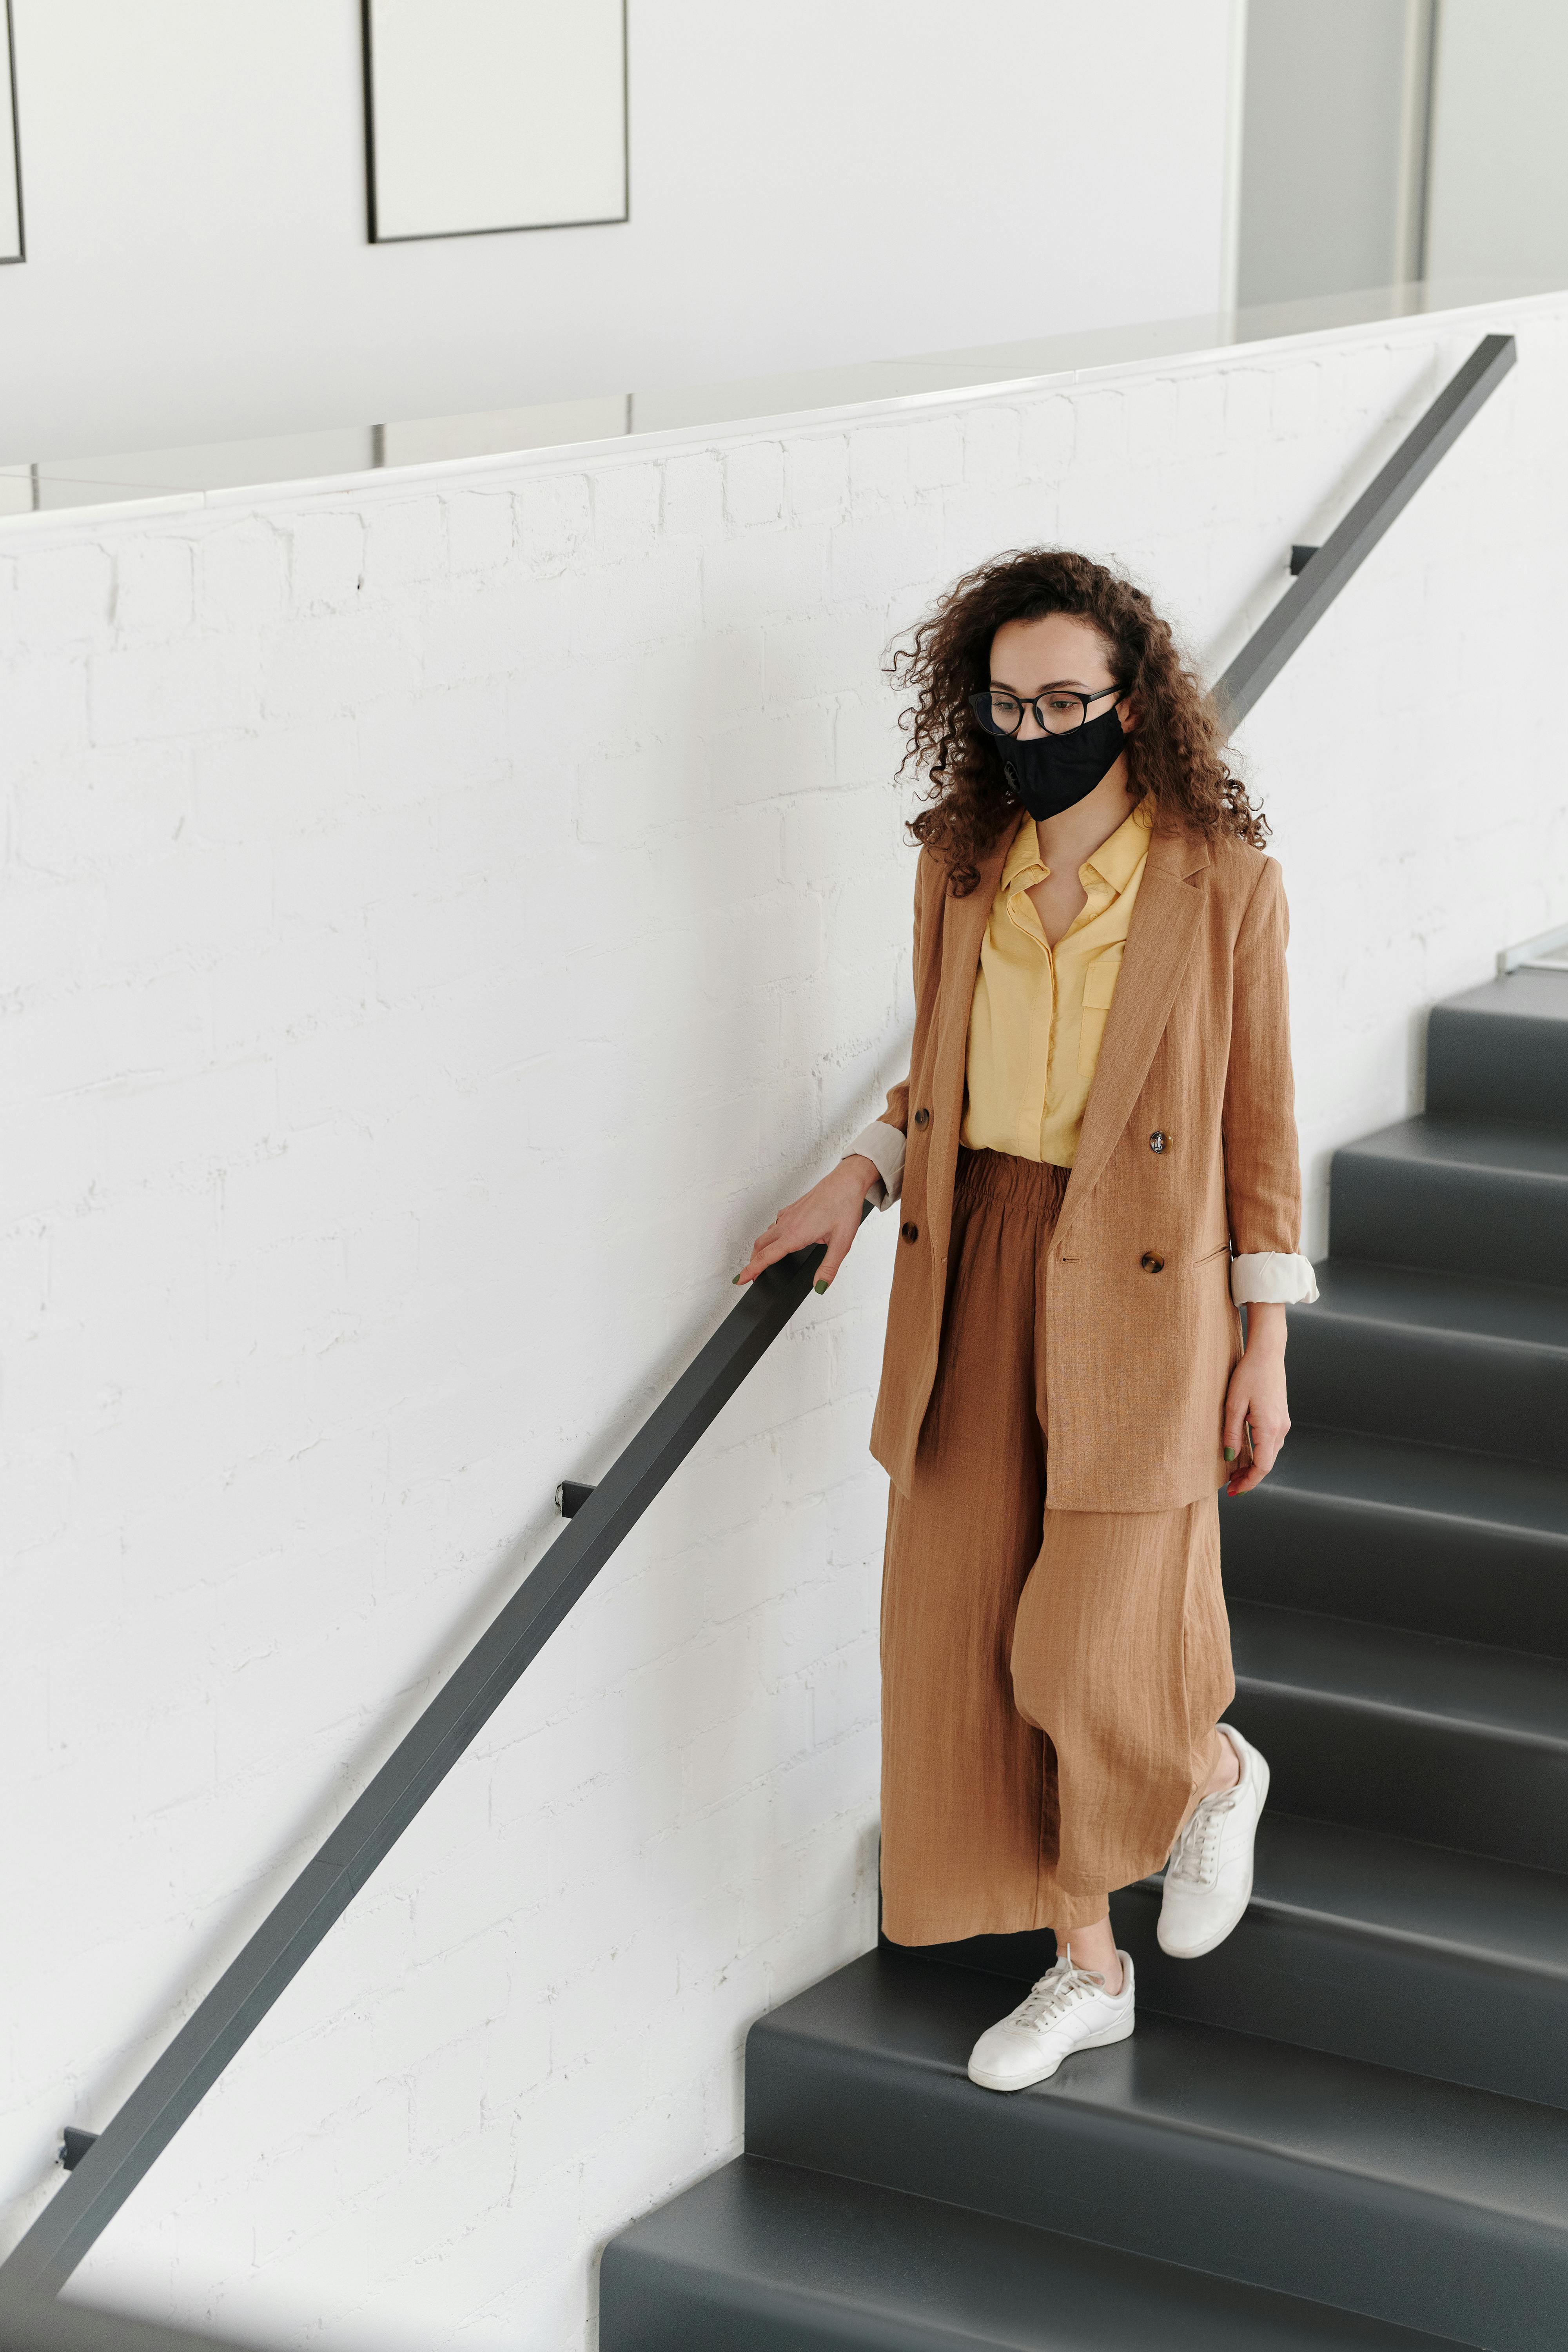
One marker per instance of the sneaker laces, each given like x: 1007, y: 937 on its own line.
x: 1196, y: 1854
x: 1057, y: 1991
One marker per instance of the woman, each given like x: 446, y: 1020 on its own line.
x: 1097, y: 1160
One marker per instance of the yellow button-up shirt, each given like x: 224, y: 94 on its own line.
x: 1038, y: 1013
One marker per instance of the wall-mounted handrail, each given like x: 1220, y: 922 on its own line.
x: 1349, y: 544
x: 112, y: 2166
x: 107, y: 2172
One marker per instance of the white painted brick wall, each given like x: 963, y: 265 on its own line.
x: 441, y: 918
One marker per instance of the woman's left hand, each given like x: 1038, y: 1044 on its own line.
x: 1255, y: 1401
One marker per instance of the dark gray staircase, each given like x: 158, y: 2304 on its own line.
x: 1348, y: 2126
x: 1399, y: 1532
x: 779, y: 2258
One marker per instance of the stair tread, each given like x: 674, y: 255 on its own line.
x: 1502, y: 1912
x: 1514, y: 996
x: 1494, y: 1146
x: 1399, y: 1474
x: 1473, y: 1306
x: 1331, y: 1874
x: 771, y: 2240
x: 1507, y: 1693
x: 1408, y: 2133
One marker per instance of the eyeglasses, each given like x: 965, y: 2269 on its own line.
x: 1058, y: 708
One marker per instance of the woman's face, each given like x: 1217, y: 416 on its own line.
x: 1059, y: 649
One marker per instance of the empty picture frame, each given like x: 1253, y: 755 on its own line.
x: 11, y: 247
x: 487, y: 115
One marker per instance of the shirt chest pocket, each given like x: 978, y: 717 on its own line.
x: 1098, y: 988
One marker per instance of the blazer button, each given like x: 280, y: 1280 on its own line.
x: 910, y: 1232
x: 923, y: 1118
x: 1159, y: 1139
x: 1150, y: 1264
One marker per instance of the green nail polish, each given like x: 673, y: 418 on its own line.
x: 819, y: 1288
x: 1230, y: 1454
x: 737, y: 1277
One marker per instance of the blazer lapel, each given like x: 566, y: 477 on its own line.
x: 1160, y: 940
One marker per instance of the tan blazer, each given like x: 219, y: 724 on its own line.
x: 1141, y: 1331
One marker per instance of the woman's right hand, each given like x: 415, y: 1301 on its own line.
x: 829, y: 1212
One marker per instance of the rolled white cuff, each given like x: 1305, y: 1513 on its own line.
x: 1270, y: 1278
x: 886, y: 1146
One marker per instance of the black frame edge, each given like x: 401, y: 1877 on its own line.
x: 369, y: 87
x: 503, y: 228
x: 15, y: 260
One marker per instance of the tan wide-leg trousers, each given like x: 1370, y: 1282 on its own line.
x: 1051, y: 1680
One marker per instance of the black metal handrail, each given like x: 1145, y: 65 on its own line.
x: 1324, y: 571
x: 109, y: 2167
x: 105, y: 2172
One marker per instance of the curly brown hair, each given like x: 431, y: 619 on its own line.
x: 1173, y: 756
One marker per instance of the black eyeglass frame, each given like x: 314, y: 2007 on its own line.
x: 1032, y: 702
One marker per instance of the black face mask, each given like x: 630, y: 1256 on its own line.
x: 1051, y: 773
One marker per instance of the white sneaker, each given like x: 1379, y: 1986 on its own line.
x: 1208, y: 1876
x: 1068, y: 2009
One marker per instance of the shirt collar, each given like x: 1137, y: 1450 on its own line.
x: 1024, y: 856
x: 1115, y: 861
x: 1119, y: 859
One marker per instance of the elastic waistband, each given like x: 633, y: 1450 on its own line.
x: 999, y: 1176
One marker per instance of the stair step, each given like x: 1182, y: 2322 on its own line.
x: 763, y: 2257
x: 1451, y: 1742
x: 1460, y: 1196
x: 1383, y: 1948
x: 1472, y: 1546
x: 1435, y: 1358
x: 1427, y: 2204
x: 1501, y: 1051
x: 1372, y: 1946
